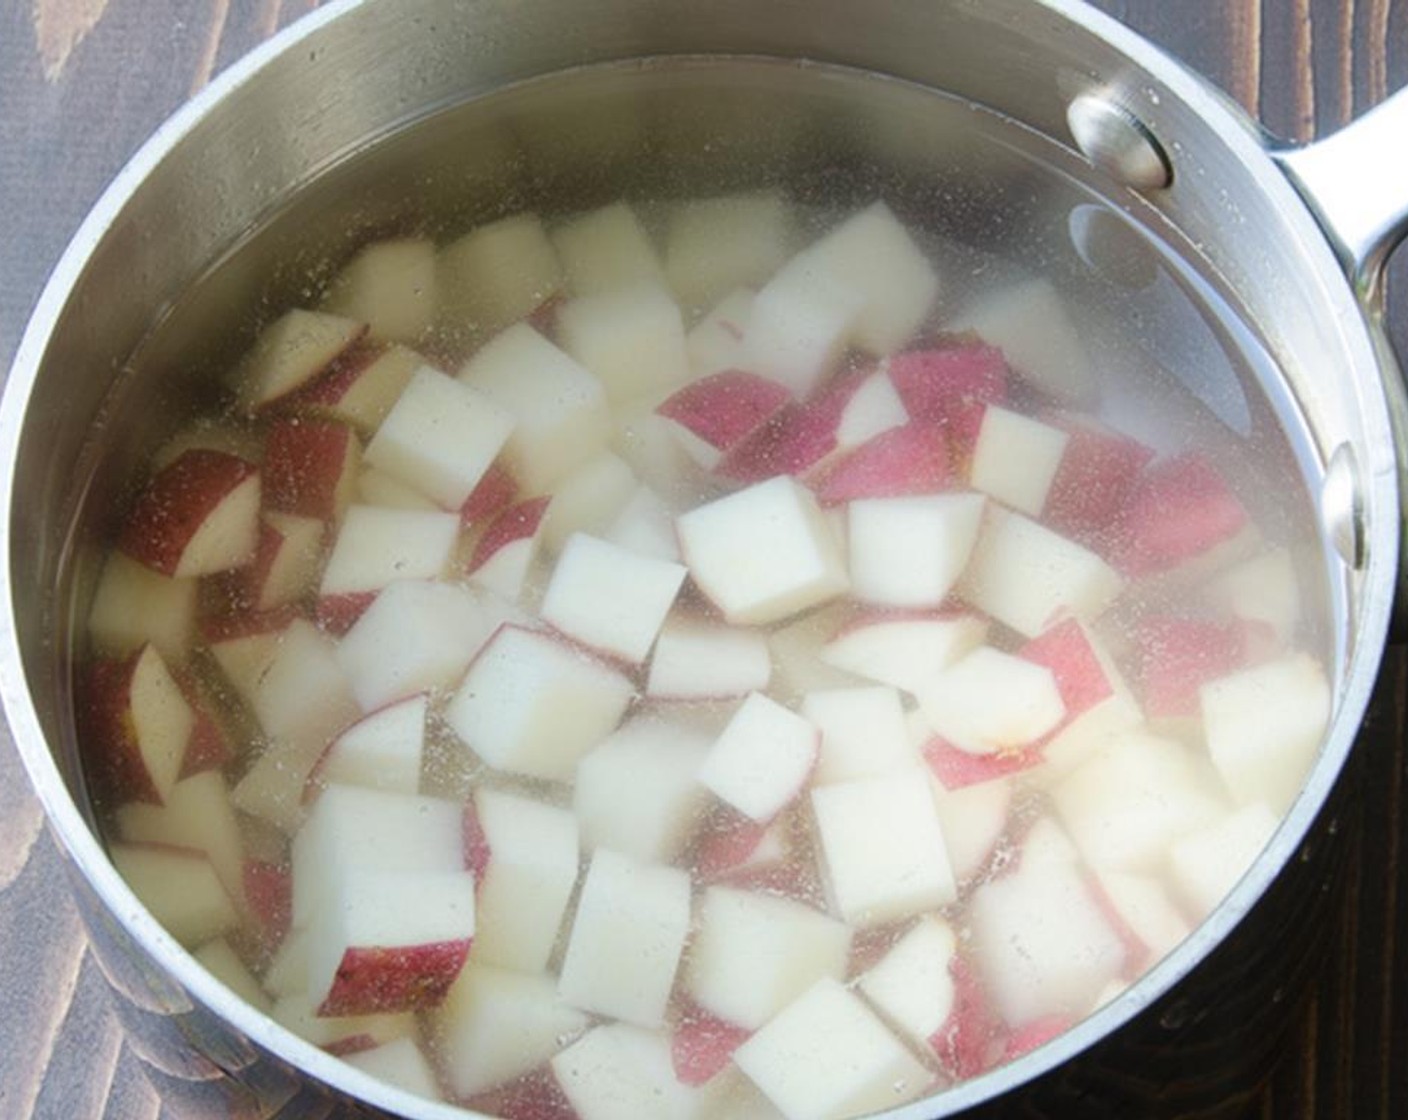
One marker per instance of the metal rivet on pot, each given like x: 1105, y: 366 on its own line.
x: 1342, y: 506
x: 1118, y: 143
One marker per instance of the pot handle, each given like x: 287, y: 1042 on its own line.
x: 1353, y: 181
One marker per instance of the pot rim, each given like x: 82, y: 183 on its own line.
x: 1361, y: 335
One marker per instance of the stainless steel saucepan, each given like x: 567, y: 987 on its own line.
x: 312, y: 137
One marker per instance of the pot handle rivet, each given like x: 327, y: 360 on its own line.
x: 1342, y: 506
x: 1118, y: 143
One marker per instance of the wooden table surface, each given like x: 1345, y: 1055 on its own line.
x: 82, y: 83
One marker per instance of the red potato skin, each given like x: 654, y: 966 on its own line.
x: 176, y: 503
x: 1179, y: 510
x: 377, y: 979
x: 966, y: 1041
x: 352, y: 1044
x: 516, y: 523
x: 703, y: 1044
x: 1025, y: 1039
x: 1097, y: 474
x: 726, y: 408
x: 493, y: 494
x: 321, y: 396
x: 304, y: 464
x: 110, y: 736
x: 1080, y: 678
x: 209, y: 747
x: 951, y: 385
x: 1136, y: 951
x: 477, y: 851
x: 1177, y: 656
x: 269, y: 889
x: 797, y: 437
x: 337, y: 614
x: 231, y: 625
x: 956, y: 768
x: 911, y: 459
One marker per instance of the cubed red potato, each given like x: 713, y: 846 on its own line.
x: 951, y: 386
x: 1016, y: 459
x: 311, y: 467
x: 717, y: 245
x: 882, y: 848
x: 990, y: 702
x: 359, y: 388
x: 699, y: 660
x: 440, y: 437
x: 702, y: 1045
x: 343, y: 1034
x: 401, y: 1063
x: 382, y: 750
x: 927, y: 991
x: 1098, y: 472
x: 1041, y: 943
x: 219, y: 959
x: 904, y: 651
x: 631, y: 339
x: 532, y: 704
x: 1028, y: 577
x: 389, y: 285
x: 197, y: 516
x: 909, y: 552
x: 626, y: 940
x: 138, y: 725
x: 715, y: 343
x: 973, y: 819
x: 504, y: 554
x: 417, y: 635
x: 762, y: 759
x: 1032, y: 326
x: 353, y: 828
x: 610, y: 599
x: 1177, y: 656
x: 286, y: 564
x: 180, y: 888
x: 1264, y: 593
x: 589, y: 500
x: 1206, y: 864
x: 908, y: 459
x: 196, y: 816
x: 862, y: 732
x: 604, y: 250
x: 134, y: 606
x: 495, y: 1025
x: 1264, y: 726
x: 1181, y: 508
x: 289, y: 353
x: 873, y: 258
x: 496, y: 274
x: 268, y: 888
x: 559, y: 408
x: 715, y: 414
x: 1129, y: 801
x: 763, y: 553
x: 376, y: 547
x: 618, y: 1071
x: 754, y: 953
x: 638, y: 792
x: 524, y: 855
x: 828, y: 1055
x: 390, y: 941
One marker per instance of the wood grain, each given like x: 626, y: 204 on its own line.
x: 84, y: 81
